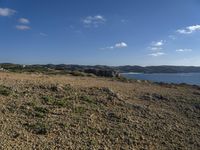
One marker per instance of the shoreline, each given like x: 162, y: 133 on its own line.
x: 167, y: 78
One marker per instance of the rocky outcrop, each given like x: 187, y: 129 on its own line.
x: 103, y: 73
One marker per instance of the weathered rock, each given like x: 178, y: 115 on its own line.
x: 103, y: 73
x: 153, y: 96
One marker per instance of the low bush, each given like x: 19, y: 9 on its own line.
x: 5, y: 90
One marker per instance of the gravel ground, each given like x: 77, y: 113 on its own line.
x: 67, y: 112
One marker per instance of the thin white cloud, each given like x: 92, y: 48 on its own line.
x: 157, y: 54
x: 22, y: 27
x: 155, y: 48
x: 117, y: 46
x: 121, y: 45
x: 124, y: 21
x: 183, y: 50
x: 24, y: 21
x: 43, y: 34
x: 189, y: 29
x: 172, y: 37
x: 93, y: 21
x: 5, y: 12
x: 158, y: 44
x: 74, y: 29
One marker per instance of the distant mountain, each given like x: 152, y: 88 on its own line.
x: 159, y: 69
x: 120, y: 69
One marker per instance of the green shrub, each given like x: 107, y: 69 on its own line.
x: 87, y: 98
x: 5, y: 90
x: 48, y: 100
x: 54, y: 101
x: 61, y: 102
x: 79, y: 110
x: 38, y: 128
x: 78, y: 73
x: 41, y: 109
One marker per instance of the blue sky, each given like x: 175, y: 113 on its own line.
x: 106, y: 32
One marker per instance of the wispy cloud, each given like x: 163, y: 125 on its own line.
x: 189, y: 29
x: 183, y: 50
x: 172, y: 37
x: 121, y: 45
x: 124, y: 21
x: 43, y: 34
x: 93, y: 21
x: 74, y: 29
x: 157, y: 54
x: 24, y: 21
x: 22, y: 27
x: 158, y: 43
x: 157, y: 46
x: 5, y: 12
x: 117, y: 46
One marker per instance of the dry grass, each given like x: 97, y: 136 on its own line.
x: 66, y: 112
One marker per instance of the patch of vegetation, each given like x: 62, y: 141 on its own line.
x: 78, y: 73
x: 54, y: 101
x: 48, y: 100
x: 67, y: 87
x: 40, y: 128
x: 123, y: 79
x: 87, y: 98
x: 91, y: 75
x: 63, y: 125
x: 111, y: 116
x: 5, y: 90
x: 32, y: 104
x: 38, y: 114
x: 12, y: 107
x: 54, y: 88
x: 60, y: 102
x: 41, y: 109
x: 31, y: 110
x: 79, y: 110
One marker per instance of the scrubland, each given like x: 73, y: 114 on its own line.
x: 40, y: 111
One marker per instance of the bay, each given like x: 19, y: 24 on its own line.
x: 188, y: 78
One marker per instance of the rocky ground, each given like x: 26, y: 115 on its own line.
x: 67, y: 112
